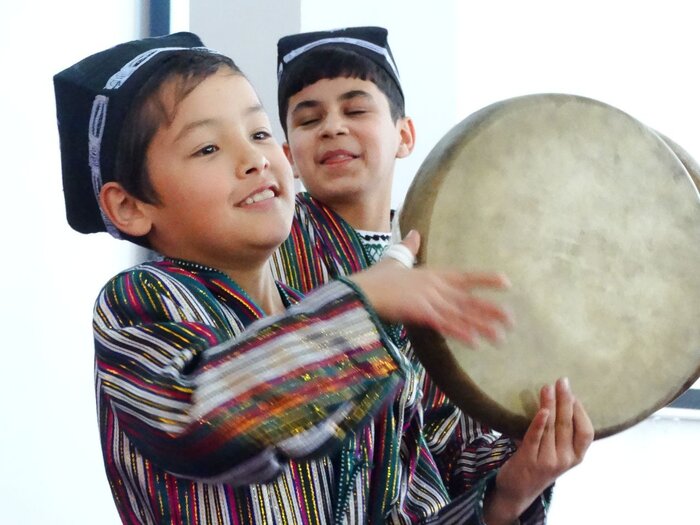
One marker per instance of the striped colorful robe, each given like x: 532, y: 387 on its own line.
x: 211, y: 414
x: 459, y: 454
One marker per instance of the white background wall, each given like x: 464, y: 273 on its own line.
x: 50, y: 461
x: 454, y: 57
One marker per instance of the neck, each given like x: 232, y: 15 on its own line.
x: 259, y: 284
x: 372, y: 214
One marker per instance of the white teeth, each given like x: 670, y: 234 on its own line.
x: 263, y: 195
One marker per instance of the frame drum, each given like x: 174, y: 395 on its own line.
x: 596, y: 221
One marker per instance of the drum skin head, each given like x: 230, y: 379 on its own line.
x: 596, y: 222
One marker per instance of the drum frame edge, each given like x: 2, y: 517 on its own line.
x: 429, y: 346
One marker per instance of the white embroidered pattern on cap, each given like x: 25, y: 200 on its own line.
x: 337, y: 40
x: 96, y: 129
x: 98, y: 119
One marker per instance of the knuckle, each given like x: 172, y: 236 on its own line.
x: 568, y: 460
x: 548, y: 466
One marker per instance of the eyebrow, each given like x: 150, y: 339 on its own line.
x: 355, y: 93
x: 195, y: 124
x: 348, y: 95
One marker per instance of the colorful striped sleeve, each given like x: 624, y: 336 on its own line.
x: 468, y: 507
x: 207, y: 405
x: 469, y: 452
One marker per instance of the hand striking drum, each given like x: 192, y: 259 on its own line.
x: 595, y: 219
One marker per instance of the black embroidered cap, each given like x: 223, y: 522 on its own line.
x: 371, y: 42
x: 92, y: 99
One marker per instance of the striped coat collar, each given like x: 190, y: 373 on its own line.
x: 226, y: 289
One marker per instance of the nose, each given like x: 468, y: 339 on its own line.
x: 252, y: 162
x: 334, y: 124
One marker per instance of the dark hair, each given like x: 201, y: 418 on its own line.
x: 333, y: 62
x: 148, y: 113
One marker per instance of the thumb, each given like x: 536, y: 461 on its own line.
x: 412, y: 241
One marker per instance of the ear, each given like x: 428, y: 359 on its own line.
x: 129, y: 214
x: 288, y: 153
x: 407, y: 134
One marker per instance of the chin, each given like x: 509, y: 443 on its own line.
x: 273, y: 239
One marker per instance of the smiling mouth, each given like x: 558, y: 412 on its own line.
x: 337, y: 157
x: 263, y: 195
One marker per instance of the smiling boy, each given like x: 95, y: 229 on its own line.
x: 343, y: 143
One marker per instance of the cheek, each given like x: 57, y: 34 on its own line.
x: 302, y: 149
x: 279, y: 163
x: 387, y: 145
x: 200, y: 194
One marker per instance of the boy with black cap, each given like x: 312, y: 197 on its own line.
x: 342, y: 109
x: 207, y: 412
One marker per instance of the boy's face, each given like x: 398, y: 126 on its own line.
x: 343, y: 143
x: 223, y: 184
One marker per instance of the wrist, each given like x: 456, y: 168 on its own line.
x: 499, y: 511
x: 499, y: 508
x: 372, y: 290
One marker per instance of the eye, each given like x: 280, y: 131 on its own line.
x: 206, y: 150
x: 356, y: 112
x: 308, y: 122
x: 261, y: 135
x: 306, y: 119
